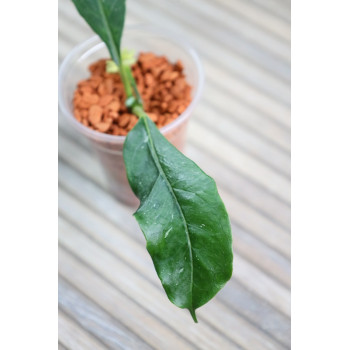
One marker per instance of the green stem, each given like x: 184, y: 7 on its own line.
x: 133, y: 84
x: 139, y: 111
x: 133, y: 97
x: 126, y: 81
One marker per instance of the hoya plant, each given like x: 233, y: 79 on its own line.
x: 181, y: 214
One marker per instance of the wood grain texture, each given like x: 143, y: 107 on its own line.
x: 74, y: 337
x: 109, y: 294
x: 98, y: 322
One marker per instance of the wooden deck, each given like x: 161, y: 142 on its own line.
x: 109, y: 294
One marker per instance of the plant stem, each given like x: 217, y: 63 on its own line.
x: 133, y: 84
x: 133, y: 97
x: 126, y: 81
x: 139, y: 111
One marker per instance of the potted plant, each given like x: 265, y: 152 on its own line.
x: 181, y: 214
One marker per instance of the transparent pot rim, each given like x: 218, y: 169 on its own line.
x: 84, y: 49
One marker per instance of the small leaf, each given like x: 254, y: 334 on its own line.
x: 181, y: 214
x: 106, y: 18
x: 128, y: 59
x: 111, y: 67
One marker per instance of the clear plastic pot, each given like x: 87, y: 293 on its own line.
x: 109, y: 148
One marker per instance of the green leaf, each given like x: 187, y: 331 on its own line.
x: 106, y: 18
x: 181, y: 214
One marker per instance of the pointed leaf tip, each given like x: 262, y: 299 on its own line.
x: 193, y: 314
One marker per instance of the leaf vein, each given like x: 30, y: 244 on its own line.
x: 154, y: 155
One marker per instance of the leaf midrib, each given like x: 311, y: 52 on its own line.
x: 114, y: 49
x: 161, y: 171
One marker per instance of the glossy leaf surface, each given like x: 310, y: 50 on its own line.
x: 181, y: 214
x: 106, y: 18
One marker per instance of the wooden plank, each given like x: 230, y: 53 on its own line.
x: 219, y: 54
x: 74, y: 337
x: 117, y: 304
x: 223, y: 48
x: 234, y: 23
x: 237, y: 297
x: 263, y: 257
x: 261, y: 284
x: 231, y: 155
x: 96, y: 321
x: 259, y: 56
x: 258, y: 225
x: 255, y: 15
x: 275, y: 7
x: 240, y: 187
x: 225, y: 126
x: 247, y: 116
x: 276, y: 111
x: 153, y: 298
x: 61, y: 347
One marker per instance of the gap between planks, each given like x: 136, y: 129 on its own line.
x: 72, y: 336
x: 95, y: 320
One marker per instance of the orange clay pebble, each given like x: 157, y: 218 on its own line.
x: 124, y: 120
x: 105, y: 100
x: 114, y: 106
x: 95, y: 114
x: 84, y: 113
x: 132, y: 123
x: 109, y: 85
x: 93, y: 98
x: 86, y: 89
x: 153, y: 117
x: 102, y: 89
x: 181, y: 108
x: 149, y: 80
x: 116, y: 130
x: 95, y: 81
x: 113, y: 114
x: 103, y: 126
x: 99, y: 101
